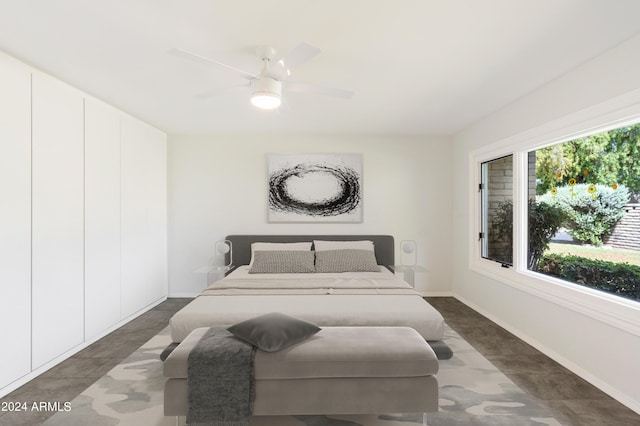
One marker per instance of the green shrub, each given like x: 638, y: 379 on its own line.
x: 622, y: 279
x: 589, y: 216
x: 544, y: 220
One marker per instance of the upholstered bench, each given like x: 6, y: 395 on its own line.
x: 340, y: 370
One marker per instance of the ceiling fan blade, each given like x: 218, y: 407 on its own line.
x: 186, y: 54
x: 298, y: 56
x: 318, y: 90
x: 220, y: 91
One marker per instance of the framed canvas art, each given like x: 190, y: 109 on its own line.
x: 315, y: 188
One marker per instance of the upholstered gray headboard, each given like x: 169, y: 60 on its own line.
x: 383, y: 245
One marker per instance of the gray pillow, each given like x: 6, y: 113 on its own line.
x: 273, y: 332
x: 282, y: 262
x: 348, y: 260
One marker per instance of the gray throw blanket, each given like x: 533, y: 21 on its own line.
x: 220, y: 379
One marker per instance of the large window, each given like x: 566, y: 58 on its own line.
x: 577, y: 203
x: 586, y: 224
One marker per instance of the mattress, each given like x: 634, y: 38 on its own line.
x: 325, y: 299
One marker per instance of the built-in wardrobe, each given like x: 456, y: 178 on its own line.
x: 82, y: 220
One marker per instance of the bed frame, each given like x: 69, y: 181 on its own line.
x: 383, y: 245
x: 384, y: 252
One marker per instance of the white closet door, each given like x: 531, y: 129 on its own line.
x: 101, y: 217
x: 158, y: 285
x: 135, y: 216
x: 57, y: 206
x: 15, y: 219
x: 144, y: 210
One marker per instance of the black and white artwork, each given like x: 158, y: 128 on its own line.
x: 315, y: 188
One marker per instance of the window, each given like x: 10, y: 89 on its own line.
x: 496, y: 193
x: 584, y: 211
x: 569, y: 210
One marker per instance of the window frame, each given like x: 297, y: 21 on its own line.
x: 614, y: 310
x: 484, y: 233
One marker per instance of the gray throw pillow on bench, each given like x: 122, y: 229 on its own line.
x: 273, y: 332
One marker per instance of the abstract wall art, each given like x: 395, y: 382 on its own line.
x: 315, y: 188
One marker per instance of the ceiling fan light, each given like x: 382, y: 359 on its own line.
x: 266, y: 93
x: 265, y: 101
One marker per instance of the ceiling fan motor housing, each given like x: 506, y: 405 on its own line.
x: 266, y: 89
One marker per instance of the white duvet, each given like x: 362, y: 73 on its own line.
x: 242, y: 282
x: 342, y: 299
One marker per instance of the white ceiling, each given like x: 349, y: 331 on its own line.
x: 416, y: 66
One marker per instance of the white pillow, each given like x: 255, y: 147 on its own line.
x: 303, y: 246
x: 322, y: 245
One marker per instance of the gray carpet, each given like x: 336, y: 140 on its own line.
x: 472, y: 392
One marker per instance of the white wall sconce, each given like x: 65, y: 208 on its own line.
x: 224, y: 248
x: 408, y: 253
x: 409, y: 261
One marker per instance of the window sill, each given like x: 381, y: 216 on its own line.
x: 609, y: 309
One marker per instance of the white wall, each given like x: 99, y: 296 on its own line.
x: 218, y: 186
x: 598, y: 350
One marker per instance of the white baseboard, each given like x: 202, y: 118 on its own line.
x: 35, y: 373
x: 436, y: 294
x: 182, y: 295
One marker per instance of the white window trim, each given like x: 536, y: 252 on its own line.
x: 610, y: 309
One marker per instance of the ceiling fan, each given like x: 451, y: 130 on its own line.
x: 267, y: 85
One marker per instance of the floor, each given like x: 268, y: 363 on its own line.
x: 570, y: 399
x: 68, y: 379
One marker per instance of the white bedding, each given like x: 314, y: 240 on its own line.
x: 242, y: 282
x: 326, y: 299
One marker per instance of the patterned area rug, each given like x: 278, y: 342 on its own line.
x: 472, y: 392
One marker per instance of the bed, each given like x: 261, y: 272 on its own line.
x: 368, y: 298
